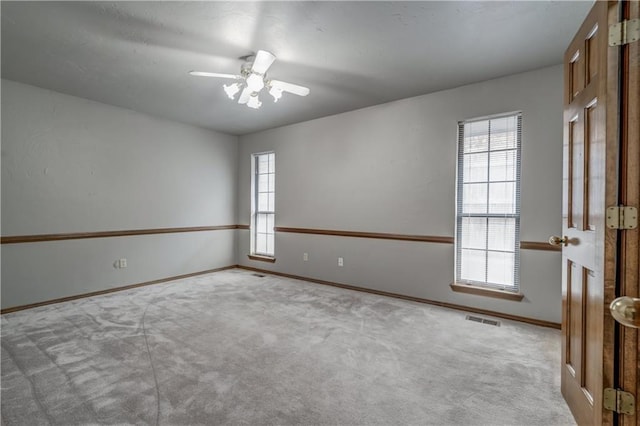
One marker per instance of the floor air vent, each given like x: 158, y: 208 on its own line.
x: 483, y: 320
x: 258, y: 275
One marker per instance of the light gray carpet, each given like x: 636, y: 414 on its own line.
x: 233, y: 348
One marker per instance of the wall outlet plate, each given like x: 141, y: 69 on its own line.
x: 341, y: 261
x: 122, y: 263
x: 305, y: 257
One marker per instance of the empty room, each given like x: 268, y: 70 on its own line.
x: 320, y: 213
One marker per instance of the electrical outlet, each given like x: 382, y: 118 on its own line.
x: 122, y: 263
x: 305, y: 257
x: 340, y: 261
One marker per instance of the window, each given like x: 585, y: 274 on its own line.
x: 488, y: 202
x: 263, y: 204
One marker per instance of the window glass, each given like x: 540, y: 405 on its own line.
x: 263, y: 205
x: 488, y: 202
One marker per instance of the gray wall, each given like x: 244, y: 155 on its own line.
x: 74, y: 165
x: 391, y: 168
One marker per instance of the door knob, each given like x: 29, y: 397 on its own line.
x: 554, y: 240
x: 626, y: 310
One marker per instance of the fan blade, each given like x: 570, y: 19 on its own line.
x: 214, y: 74
x: 262, y: 62
x: 291, y: 88
x: 244, y: 96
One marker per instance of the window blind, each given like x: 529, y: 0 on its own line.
x: 264, y: 204
x: 488, y: 202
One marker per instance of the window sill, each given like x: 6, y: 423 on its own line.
x: 262, y: 258
x: 488, y: 292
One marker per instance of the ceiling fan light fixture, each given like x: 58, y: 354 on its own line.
x: 254, y: 101
x: 252, y: 80
x: 232, y: 89
x: 276, y: 92
x: 255, y: 82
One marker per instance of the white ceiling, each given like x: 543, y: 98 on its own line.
x: 350, y: 54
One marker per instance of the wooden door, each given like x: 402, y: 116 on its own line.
x: 629, y: 256
x: 590, y: 183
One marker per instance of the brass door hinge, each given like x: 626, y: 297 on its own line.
x: 622, y: 217
x: 624, y: 32
x: 619, y: 401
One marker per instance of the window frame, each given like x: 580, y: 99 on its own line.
x: 492, y: 288
x: 255, y: 254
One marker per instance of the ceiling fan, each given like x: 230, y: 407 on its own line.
x: 253, y: 78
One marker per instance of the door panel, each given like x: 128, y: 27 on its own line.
x: 594, y: 172
x: 590, y: 145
